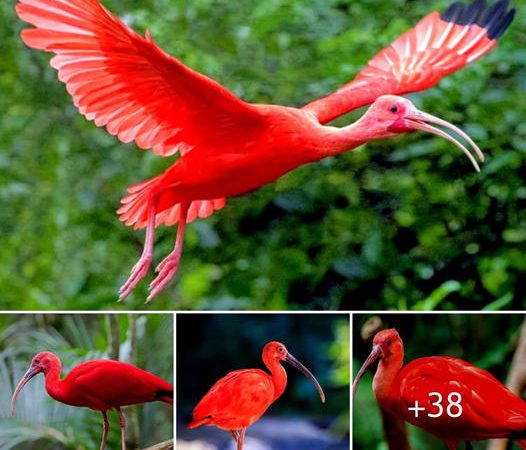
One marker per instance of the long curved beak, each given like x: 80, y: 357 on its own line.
x: 31, y: 372
x: 419, y: 120
x: 294, y: 362
x: 376, y: 354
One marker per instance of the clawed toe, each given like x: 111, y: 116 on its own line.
x: 163, y: 265
x: 138, y: 272
x: 166, y: 272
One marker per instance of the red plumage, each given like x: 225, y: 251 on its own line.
x: 228, y: 147
x: 489, y: 409
x: 100, y: 385
x: 237, y: 400
x: 241, y: 397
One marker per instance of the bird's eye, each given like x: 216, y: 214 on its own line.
x: 393, y: 109
x: 388, y: 342
x: 36, y: 361
x: 280, y: 349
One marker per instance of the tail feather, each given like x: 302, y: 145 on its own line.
x: 134, y: 209
x: 165, y: 396
x: 198, y: 422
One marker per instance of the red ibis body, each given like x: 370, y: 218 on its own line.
x: 241, y: 397
x: 125, y: 82
x: 100, y: 385
x: 454, y: 400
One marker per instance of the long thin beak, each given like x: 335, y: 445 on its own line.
x: 31, y: 372
x: 418, y: 120
x: 294, y: 362
x: 376, y: 354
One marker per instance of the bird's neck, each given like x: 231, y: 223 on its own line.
x: 339, y: 140
x: 384, y: 381
x: 54, y: 383
x: 279, y: 377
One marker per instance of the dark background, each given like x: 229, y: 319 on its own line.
x: 210, y: 346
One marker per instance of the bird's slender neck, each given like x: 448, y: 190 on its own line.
x: 339, y: 140
x: 53, y: 381
x: 279, y: 376
x: 384, y: 381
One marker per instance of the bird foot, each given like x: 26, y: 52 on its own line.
x: 166, y: 272
x: 138, y: 272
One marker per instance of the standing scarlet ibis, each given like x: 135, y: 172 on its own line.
x: 241, y: 397
x: 100, y: 385
x: 227, y: 146
x: 448, y: 397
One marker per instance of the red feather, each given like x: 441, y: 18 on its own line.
x: 228, y: 147
x: 417, y: 60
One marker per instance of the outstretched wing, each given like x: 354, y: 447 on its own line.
x: 437, y: 46
x: 127, y: 83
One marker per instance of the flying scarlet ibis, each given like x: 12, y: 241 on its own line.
x: 100, y: 385
x: 228, y: 147
x: 241, y: 397
x: 448, y: 397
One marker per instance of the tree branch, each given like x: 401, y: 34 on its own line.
x: 166, y: 445
x: 516, y: 381
x: 114, y: 342
x: 134, y: 429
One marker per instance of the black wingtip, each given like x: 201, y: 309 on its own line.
x: 495, y: 18
x: 164, y: 396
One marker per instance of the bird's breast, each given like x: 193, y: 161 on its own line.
x: 234, y: 171
x: 236, y: 400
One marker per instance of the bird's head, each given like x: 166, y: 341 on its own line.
x: 41, y: 362
x: 277, y: 351
x: 390, y: 115
x: 385, y: 344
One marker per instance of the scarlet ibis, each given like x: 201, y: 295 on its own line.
x: 100, y: 385
x: 228, y: 147
x: 241, y: 397
x: 448, y: 397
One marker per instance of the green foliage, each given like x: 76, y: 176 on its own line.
x: 386, y: 226
x: 43, y: 423
x: 340, y: 353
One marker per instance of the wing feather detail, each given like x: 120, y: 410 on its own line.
x: 437, y: 46
x: 489, y: 409
x: 126, y: 83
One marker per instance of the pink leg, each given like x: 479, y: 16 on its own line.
x: 122, y: 423
x: 105, y: 428
x: 241, y: 439
x: 140, y: 269
x: 235, y: 434
x: 169, y: 265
